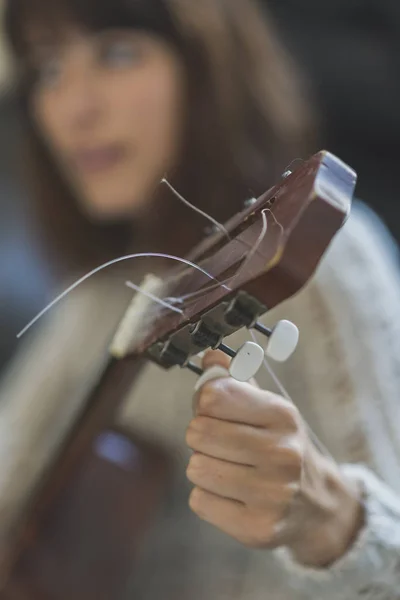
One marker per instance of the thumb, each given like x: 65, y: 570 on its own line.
x: 214, y: 358
x: 215, y: 365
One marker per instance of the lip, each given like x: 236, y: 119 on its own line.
x: 98, y: 159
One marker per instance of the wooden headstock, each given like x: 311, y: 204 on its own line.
x: 304, y: 211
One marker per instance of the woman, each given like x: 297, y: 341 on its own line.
x: 117, y: 94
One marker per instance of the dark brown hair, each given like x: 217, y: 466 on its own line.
x: 247, y: 119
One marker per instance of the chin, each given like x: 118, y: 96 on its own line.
x: 111, y: 207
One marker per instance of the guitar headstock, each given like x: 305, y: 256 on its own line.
x: 274, y: 247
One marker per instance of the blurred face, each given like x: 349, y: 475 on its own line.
x: 110, y: 108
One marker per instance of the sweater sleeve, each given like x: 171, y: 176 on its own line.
x: 371, y: 568
x: 346, y: 379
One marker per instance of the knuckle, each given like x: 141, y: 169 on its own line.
x: 289, y: 416
x: 294, y: 453
x: 209, y: 399
x: 195, y: 468
x: 215, y: 394
x: 292, y: 491
x: 259, y: 494
x: 291, y: 458
x: 195, y: 501
x: 197, y: 431
x: 191, y: 437
x: 286, y: 496
x: 294, y: 473
x: 267, y: 496
x: 226, y: 387
x: 257, y: 534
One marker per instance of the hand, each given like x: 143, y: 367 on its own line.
x: 260, y: 479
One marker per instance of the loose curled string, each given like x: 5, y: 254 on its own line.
x: 110, y: 263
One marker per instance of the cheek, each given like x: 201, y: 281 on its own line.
x: 45, y: 116
x: 154, y: 108
x: 148, y: 116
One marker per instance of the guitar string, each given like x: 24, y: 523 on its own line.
x: 195, y: 208
x: 162, y: 302
x: 80, y: 281
x: 294, y: 161
x: 188, y: 299
x: 110, y: 263
x: 194, y: 296
x: 321, y: 447
x: 216, y: 223
x: 253, y: 250
x: 249, y: 256
x: 129, y: 257
x: 283, y: 391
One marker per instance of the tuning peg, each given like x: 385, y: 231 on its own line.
x: 247, y: 362
x: 282, y: 342
x: 226, y: 350
x: 262, y: 329
x: 283, y: 339
x: 202, y: 336
x: 194, y: 368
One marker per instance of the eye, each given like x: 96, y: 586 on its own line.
x: 120, y: 53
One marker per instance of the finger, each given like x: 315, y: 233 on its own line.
x: 237, y: 482
x: 278, y: 458
x: 230, y: 400
x: 223, y: 478
x: 237, y: 443
x: 233, y: 518
x: 215, y: 367
x: 215, y: 357
x: 211, y: 374
x: 227, y: 515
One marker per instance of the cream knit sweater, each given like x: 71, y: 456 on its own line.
x: 344, y: 378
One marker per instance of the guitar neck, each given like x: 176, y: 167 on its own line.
x: 116, y: 379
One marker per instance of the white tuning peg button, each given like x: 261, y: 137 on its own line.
x: 247, y: 362
x: 283, y: 341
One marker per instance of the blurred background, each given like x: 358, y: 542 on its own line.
x: 349, y: 52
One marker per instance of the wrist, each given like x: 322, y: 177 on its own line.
x: 334, y: 521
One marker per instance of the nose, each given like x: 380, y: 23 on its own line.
x: 79, y: 101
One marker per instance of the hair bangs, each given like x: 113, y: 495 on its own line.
x: 27, y: 19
